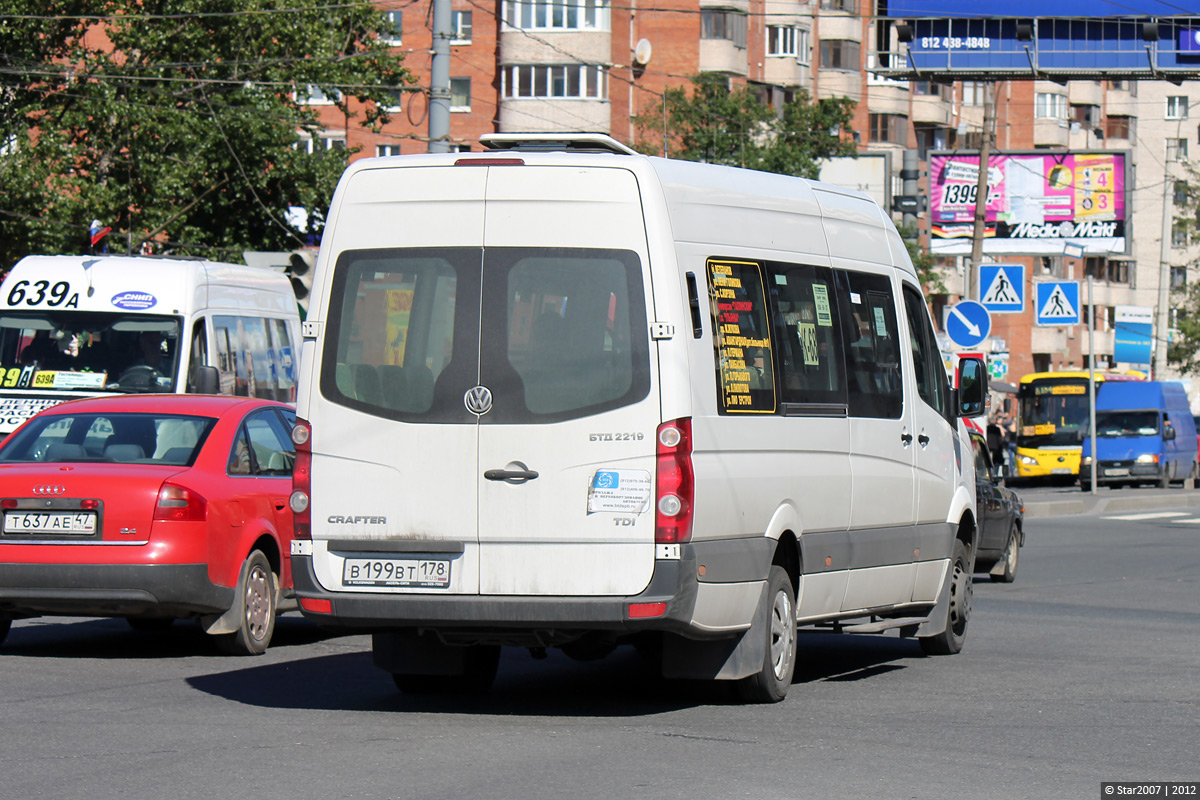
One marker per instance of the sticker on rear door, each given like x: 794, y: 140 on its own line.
x: 625, y: 491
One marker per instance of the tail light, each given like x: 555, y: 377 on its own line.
x: 675, y: 483
x: 179, y: 504
x: 301, y: 480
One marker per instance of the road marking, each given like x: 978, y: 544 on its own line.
x: 1155, y: 515
x: 1186, y: 521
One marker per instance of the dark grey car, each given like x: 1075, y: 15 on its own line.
x: 1001, y: 518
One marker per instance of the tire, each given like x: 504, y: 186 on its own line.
x: 770, y: 684
x: 950, y: 641
x: 5, y: 626
x: 257, y: 601
x: 149, y: 624
x: 481, y: 663
x: 1165, y: 481
x: 1012, y: 552
x: 1085, y: 486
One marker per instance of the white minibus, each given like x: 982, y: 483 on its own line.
x: 75, y: 326
x: 560, y: 394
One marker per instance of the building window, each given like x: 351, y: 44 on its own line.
x: 974, y: 93
x: 321, y: 143
x: 1179, y: 236
x: 931, y: 137
x: 460, y: 94
x: 1124, y: 86
x: 397, y: 96
x: 555, y: 81
x: 931, y: 89
x: 1177, y: 107
x: 560, y: 14
x: 840, y: 54
x: 838, y: 5
x: 387, y: 150
x: 1085, y: 115
x: 1120, y: 127
x: 783, y: 40
x: 803, y: 47
x: 1048, y: 105
x: 395, y: 35
x: 723, y: 24
x: 1178, y: 277
x: 460, y: 24
x: 313, y: 95
x: 890, y: 128
x: 1177, y: 149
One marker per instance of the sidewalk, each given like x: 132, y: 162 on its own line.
x: 1071, y: 501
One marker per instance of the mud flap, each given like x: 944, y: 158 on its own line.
x: 939, y: 616
x: 721, y: 659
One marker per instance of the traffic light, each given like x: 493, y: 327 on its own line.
x: 300, y: 268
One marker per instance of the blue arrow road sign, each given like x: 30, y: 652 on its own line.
x: 1056, y: 302
x: 968, y: 323
x: 1002, y: 288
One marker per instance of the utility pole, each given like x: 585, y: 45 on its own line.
x: 439, y: 80
x: 1162, y: 318
x: 985, y: 155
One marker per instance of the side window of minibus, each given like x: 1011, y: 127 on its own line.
x: 872, y: 344
x: 743, y: 343
x: 808, y: 340
x: 927, y: 362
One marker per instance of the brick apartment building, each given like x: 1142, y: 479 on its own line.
x: 589, y: 65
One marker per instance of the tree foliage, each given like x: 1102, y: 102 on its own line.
x: 1183, y: 351
x: 732, y: 126
x: 176, y: 123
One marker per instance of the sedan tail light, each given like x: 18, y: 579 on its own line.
x: 179, y: 504
x: 301, y: 480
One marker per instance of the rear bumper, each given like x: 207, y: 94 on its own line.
x: 103, y: 590
x: 694, y: 608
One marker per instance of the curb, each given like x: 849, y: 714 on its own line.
x: 1093, y: 504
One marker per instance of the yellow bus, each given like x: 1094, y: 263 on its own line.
x: 1052, y: 419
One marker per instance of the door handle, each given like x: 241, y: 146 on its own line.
x: 923, y: 440
x: 906, y: 438
x: 515, y: 473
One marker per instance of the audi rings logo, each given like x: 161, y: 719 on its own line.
x: 478, y: 400
x: 49, y: 491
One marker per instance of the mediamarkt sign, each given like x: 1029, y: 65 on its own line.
x: 1035, y: 201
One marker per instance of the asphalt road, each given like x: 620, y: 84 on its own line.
x: 1084, y: 670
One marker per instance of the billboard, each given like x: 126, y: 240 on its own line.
x: 906, y: 9
x: 1036, y: 202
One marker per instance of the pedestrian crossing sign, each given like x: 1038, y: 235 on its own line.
x: 1002, y: 288
x: 1057, y: 302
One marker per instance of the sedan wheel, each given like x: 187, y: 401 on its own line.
x: 258, y: 598
x: 1012, y: 552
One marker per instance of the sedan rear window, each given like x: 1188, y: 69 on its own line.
x: 168, y: 439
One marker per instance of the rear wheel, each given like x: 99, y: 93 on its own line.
x: 1012, y: 552
x: 951, y: 640
x: 257, y: 599
x: 770, y: 684
x: 481, y: 663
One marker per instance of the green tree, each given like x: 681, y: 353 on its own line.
x: 732, y: 126
x: 176, y: 123
x: 1183, y: 351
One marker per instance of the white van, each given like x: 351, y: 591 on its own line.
x: 565, y: 395
x: 76, y: 326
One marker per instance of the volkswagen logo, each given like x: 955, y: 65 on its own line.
x: 48, y: 490
x: 478, y: 400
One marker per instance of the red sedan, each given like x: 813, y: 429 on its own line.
x: 150, y: 507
